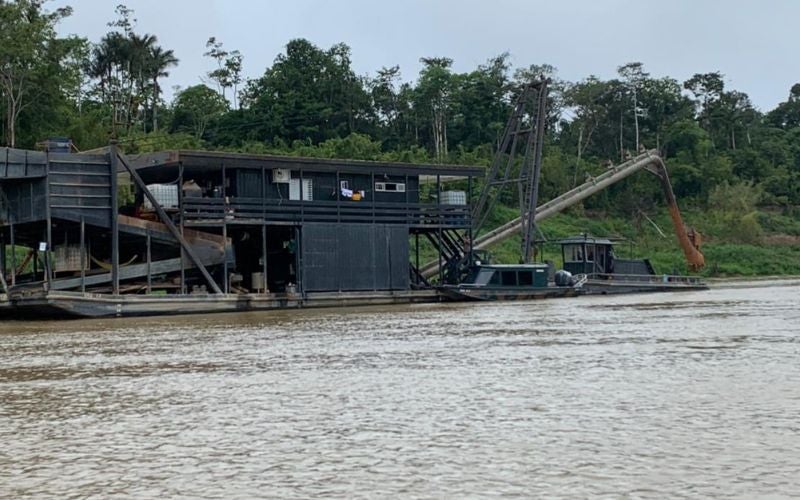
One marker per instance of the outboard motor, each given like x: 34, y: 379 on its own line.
x: 563, y: 278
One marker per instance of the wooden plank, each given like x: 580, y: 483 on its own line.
x: 125, y: 273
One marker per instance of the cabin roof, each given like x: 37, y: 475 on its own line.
x: 583, y: 238
x: 214, y: 160
x: 514, y: 267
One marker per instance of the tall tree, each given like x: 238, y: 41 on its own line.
x: 195, y: 108
x: 634, y: 76
x: 434, y: 89
x: 707, y: 89
x: 30, y: 55
x: 308, y: 94
x: 158, y: 65
x: 127, y: 67
x: 787, y: 114
x: 228, y: 73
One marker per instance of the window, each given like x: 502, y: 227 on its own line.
x: 486, y: 277
x: 589, y: 253
x: 390, y: 187
x: 573, y: 253
x: 525, y: 278
x: 308, y: 190
x: 509, y: 278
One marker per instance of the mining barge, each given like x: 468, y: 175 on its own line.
x: 182, y: 232
x: 175, y: 232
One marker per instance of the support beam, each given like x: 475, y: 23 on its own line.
x: 150, y: 264
x: 83, y: 255
x: 416, y: 251
x: 298, y: 259
x: 3, y: 283
x: 115, y: 158
x: 180, y: 212
x: 225, y: 230
x: 48, y: 264
x: 13, y: 254
x: 168, y: 222
x: 226, y: 278
x: 529, y: 230
x: 264, y: 256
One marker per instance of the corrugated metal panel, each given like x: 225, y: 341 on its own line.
x: 631, y: 266
x: 319, y: 247
x: 26, y: 201
x: 354, y: 257
x: 398, y: 257
x: 20, y: 163
x: 249, y: 183
x: 80, y: 188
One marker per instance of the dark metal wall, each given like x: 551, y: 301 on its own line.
x: 23, y: 201
x: 248, y: 184
x: 354, y: 257
x: 80, y: 187
x: 76, y: 187
x: 17, y: 163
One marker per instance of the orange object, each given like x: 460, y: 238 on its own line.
x: 689, y: 239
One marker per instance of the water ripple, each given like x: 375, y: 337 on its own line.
x: 679, y: 395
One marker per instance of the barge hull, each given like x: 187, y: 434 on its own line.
x: 77, y: 305
x: 604, y: 287
x: 481, y: 294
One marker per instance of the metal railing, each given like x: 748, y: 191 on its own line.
x: 232, y: 210
x: 662, y: 279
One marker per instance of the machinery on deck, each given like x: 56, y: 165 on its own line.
x: 527, y: 125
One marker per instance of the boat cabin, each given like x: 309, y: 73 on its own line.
x: 509, y: 276
x: 586, y: 254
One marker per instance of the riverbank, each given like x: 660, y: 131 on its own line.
x: 772, y: 251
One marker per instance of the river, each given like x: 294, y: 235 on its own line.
x: 680, y: 395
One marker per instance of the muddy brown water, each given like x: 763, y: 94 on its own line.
x: 666, y: 395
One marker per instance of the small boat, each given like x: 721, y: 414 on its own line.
x: 602, y: 272
x: 509, y: 282
x: 590, y: 268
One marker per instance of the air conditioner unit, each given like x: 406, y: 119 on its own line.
x: 281, y: 176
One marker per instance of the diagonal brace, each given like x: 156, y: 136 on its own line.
x: 170, y: 225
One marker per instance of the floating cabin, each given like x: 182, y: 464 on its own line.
x: 186, y: 231
x: 605, y: 273
x: 585, y: 254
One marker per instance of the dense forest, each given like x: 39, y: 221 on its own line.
x: 728, y: 160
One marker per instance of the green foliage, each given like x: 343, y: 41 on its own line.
x: 195, y: 108
x: 155, y: 141
x: 738, y: 199
x: 37, y: 67
x: 736, y: 169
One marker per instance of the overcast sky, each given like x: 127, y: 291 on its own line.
x: 754, y: 44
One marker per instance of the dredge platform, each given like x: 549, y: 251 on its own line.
x: 183, y: 232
